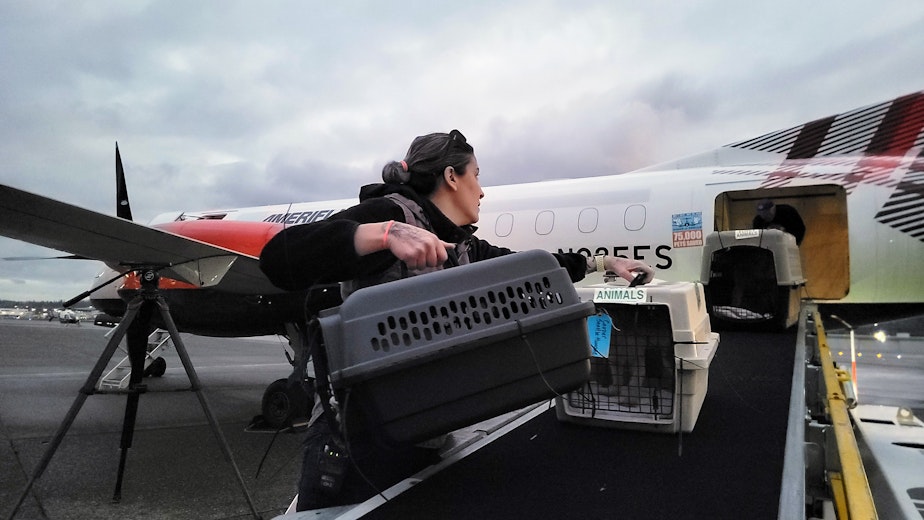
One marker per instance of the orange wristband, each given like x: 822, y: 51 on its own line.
x: 385, y: 236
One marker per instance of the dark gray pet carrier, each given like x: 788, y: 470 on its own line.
x: 419, y: 357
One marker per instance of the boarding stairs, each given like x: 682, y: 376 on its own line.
x: 118, y: 377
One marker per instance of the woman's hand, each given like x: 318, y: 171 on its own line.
x: 414, y: 246
x: 628, y: 268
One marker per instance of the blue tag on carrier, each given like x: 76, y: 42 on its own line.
x: 599, y: 328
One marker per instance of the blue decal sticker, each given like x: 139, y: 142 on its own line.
x: 687, y: 221
x: 599, y: 328
x: 687, y: 229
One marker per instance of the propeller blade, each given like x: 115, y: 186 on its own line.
x: 65, y: 257
x: 123, y: 207
x: 86, y: 293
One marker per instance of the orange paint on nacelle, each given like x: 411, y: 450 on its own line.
x: 132, y: 283
x: 247, y: 238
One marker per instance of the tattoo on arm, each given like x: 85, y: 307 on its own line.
x: 405, y: 231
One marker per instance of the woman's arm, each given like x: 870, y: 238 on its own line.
x: 326, y: 251
x: 415, y: 246
x: 355, y: 242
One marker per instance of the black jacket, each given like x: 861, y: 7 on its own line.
x: 299, y: 257
x: 786, y: 217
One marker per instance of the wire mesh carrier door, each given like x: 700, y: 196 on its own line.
x: 419, y: 357
x: 635, y: 380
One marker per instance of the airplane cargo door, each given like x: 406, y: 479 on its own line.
x: 825, y: 250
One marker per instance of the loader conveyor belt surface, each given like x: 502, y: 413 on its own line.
x: 730, y: 466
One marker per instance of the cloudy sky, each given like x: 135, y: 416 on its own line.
x: 239, y: 103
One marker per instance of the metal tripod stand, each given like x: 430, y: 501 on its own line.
x: 135, y: 327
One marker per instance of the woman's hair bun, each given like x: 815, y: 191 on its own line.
x: 396, y: 172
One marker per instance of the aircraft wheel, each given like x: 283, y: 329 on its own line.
x: 283, y: 403
x: 157, y: 368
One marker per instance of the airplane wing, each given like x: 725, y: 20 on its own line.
x: 122, y: 243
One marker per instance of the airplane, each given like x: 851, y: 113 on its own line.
x: 857, y: 179
x: 68, y: 316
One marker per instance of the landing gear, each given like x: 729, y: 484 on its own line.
x: 287, y: 402
x: 157, y: 368
x: 284, y: 404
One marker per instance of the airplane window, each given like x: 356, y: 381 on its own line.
x: 635, y: 217
x: 588, y: 219
x: 545, y: 221
x: 503, y: 226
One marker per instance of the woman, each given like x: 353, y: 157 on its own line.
x: 420, y: 220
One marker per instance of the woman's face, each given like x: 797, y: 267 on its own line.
x: 469, y: 195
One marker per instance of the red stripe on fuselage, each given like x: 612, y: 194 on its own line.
x: 894, y: 137
x: 239, y: 236
x: 900, y: 127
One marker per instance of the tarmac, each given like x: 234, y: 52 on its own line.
x: 175, y: 467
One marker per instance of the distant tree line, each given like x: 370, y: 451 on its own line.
x: 8, y: 304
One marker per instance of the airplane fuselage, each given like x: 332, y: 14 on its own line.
x: 662, y: 216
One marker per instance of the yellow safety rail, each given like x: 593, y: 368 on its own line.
x: 850, y: 488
